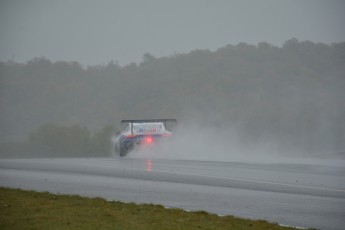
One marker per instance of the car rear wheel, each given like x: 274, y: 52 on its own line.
x: 117, y: 150
x: 123, y: 151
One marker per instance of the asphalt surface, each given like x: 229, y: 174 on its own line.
x: 306, y: 194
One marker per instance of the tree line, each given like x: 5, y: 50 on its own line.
x: 293, y: 94
x: 51, y: 140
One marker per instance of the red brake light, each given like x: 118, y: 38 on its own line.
x: 148, y: 140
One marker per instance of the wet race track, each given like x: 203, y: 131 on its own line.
x: 298, y: 194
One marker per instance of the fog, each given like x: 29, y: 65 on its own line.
x: 196, y: 143
x: 258, y: 99
x: 246, y: 80
x: 205, y: 144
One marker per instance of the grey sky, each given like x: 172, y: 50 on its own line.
x: 96, y: 32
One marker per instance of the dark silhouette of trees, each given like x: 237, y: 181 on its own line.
x: 51, y: 140
x: 294, y: 93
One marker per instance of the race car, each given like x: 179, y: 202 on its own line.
x: 141, y: 132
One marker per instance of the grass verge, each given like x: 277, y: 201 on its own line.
x: 35, y: 210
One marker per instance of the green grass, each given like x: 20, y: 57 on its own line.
x: 33, y: 210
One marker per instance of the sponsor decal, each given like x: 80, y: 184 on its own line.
x: 147, y: 130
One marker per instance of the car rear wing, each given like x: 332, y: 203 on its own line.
x: 148, y: 121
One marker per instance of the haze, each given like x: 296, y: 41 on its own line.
x: 254, y: 76
x: 96, y: 32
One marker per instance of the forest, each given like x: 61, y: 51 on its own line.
x: 293, y: 94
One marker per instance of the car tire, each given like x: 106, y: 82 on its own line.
x: 123, y: 151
